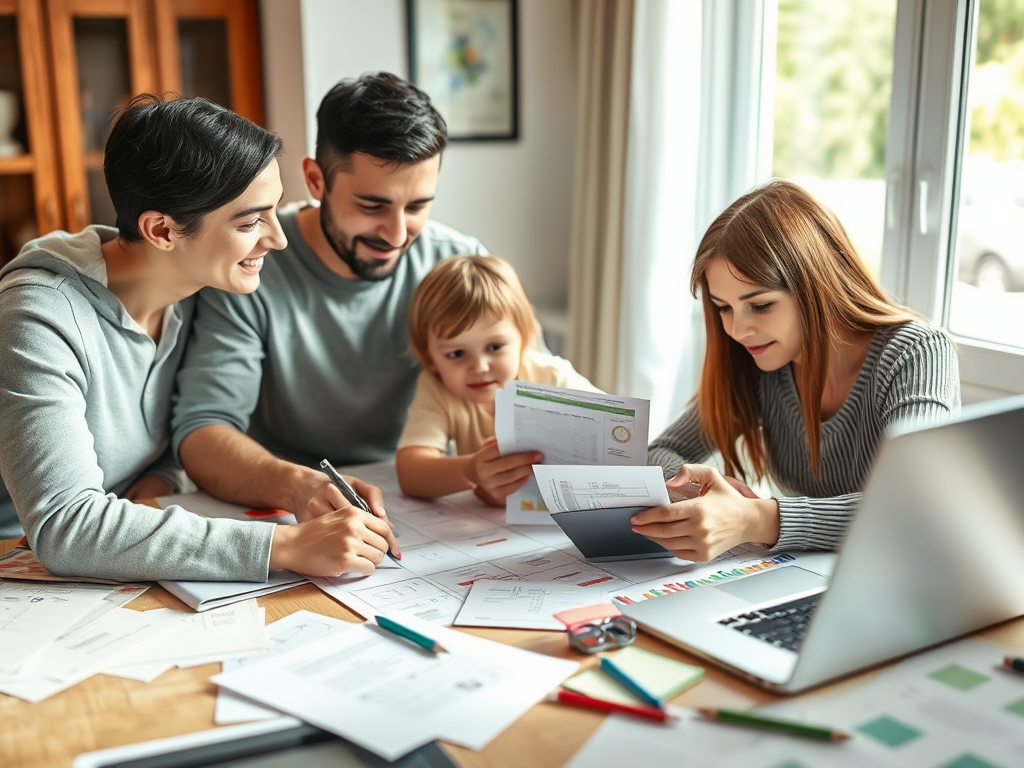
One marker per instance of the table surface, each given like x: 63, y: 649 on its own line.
x: 108, y: 711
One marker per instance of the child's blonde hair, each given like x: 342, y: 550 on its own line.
x: 460, y: 291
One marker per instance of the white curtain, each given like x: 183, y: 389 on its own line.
x: 661, y: 334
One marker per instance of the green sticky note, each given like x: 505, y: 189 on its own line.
x: 662, y: 676
x: 961, y: 678
x: 889, y: 731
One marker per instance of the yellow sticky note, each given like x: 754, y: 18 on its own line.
x: 662, y: 676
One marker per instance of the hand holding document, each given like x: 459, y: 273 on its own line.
x: 569, y: 427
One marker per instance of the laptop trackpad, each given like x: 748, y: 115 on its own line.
x: 776, y: 583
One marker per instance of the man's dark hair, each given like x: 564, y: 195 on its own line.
x: 377, y: 114
x: 181, y: 157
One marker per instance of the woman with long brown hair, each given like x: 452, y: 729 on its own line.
x: 807, y: 364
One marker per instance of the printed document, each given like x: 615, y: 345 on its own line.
x: 573, y: 488
x: 390, y: 696
x: 523, y: 604
x: 569, y: 427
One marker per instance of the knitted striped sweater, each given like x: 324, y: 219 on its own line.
x: 910, y: 373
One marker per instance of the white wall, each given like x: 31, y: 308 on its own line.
x: 515, y: 196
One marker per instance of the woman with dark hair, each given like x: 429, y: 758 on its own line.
x: 807, y: 364
x: 93, y: 327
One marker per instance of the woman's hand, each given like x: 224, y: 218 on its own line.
x: 723, y: 514
x: 149, y: 487
x: 495, y: 477
x: 342, y: 541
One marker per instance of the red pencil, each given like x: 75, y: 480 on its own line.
x: 640, y: 710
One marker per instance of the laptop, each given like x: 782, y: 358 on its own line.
x: 936, y: 551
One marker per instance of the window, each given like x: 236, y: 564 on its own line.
x: 906, y: 117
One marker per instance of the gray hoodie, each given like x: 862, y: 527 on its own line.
x: 85, y: 398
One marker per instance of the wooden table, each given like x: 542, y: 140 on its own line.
x: 108, y: 711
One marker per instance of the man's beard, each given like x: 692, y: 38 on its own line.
x: 365, y: 269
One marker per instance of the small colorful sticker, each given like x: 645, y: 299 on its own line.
x: 621, y: 435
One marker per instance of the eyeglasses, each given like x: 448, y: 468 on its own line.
x: 597, y: 636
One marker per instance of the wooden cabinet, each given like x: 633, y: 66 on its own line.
x: 65, y: 65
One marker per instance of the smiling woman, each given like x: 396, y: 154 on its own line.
x: 807, y: 365
x: 94, y: 327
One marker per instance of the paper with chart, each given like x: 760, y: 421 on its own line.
x: 569, y: 427
x: 449, y: 544
x: 952, y: 707
x: 567, y: 488
x: 390, y: 696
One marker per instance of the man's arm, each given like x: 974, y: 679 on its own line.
x: 232, y: 466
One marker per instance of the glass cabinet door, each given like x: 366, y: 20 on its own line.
x: 210, y: 48
x: 28, y: 184
x: 101, y: 60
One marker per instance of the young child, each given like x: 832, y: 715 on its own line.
x: 472, y: 329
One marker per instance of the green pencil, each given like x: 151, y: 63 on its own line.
x: 392, y: 626
x: 822, y: 732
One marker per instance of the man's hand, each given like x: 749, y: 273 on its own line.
x: 148, y: 487
x: 495, y: 477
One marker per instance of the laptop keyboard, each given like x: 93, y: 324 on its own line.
x: 781, y: 625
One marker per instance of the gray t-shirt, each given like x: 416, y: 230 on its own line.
x: 85, y: 397
x: 311, y: 365
x: 910, y: 374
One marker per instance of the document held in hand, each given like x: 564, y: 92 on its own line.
x: 569, y: 427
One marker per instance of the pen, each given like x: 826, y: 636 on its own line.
x: 616, y: 673
x: 392, y: 626
x: 347, y: 491
x: 822, y: 732
x: 581, y: 700
x: 1015, y: 663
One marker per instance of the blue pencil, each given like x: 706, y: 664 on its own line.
x: 616, y: 673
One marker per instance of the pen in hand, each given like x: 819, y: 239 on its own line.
x: 348, y: 492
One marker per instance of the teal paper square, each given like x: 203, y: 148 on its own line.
x: 888, y: 731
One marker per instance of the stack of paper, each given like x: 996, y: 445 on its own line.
x: 54, y: 636
x: 390, y: 696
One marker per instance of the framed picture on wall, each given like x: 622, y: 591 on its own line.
x: 462, y: 53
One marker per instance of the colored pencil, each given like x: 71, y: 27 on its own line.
x: 1015, y: 663
x: 618, y: 674
x: 392, y: 626
x: 821, y: 732
x: 580, y: 700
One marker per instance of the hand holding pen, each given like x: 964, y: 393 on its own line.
x: 356, y: 500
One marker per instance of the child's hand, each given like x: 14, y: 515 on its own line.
x: 494, y: 476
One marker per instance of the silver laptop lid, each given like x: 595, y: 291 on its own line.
x: 936, y: 550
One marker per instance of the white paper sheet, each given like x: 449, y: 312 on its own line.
x: 284, y: 635
x: 33, y: 614
x: 524, y: 605
x: 201, y: 638
x: 568, y: 427
x: 391, y: 697
x: 573, y: 488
